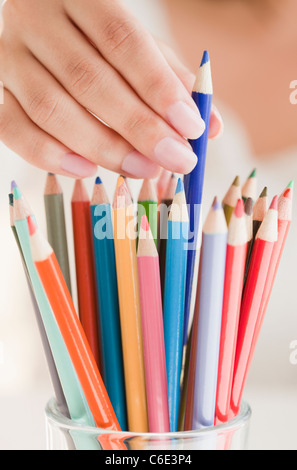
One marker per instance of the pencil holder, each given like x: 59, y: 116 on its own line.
x: 65, y: 434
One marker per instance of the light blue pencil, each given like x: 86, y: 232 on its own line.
x: 107, y: 288
x: 76, y: 402
x: 209, y: 311
x: 174, y: 298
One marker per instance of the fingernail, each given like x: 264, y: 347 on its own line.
x: 78, y: 166
x: 175, y: 156
x: 139, y: 166
x: 216, y: 124
x: 186, y: 121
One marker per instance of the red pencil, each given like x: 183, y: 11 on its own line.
x: 71, y: 329
x: 251, y: 303
x: 284, y: 224
x: 234, y: 278
x: 85, y: 268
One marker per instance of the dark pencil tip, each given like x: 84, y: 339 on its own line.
x: 98, y: 180
x: 236, y: 182
x: 11, y: 199
x: 264, y: 192
x: 249, y: 206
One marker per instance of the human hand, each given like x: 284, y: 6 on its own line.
x: 85, y: 85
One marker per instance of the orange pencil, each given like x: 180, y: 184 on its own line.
x: 253, y: 293
x: 71, y: 329
x: 85, y: 268
x: 129, y: 302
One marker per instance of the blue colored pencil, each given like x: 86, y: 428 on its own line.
x: 174, y: 298
x: 209, y: 311
x: 194, y: 182
x: 106, y: 281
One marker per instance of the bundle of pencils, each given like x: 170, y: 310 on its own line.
x: 129, y: 357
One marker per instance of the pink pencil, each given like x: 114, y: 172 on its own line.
x: 153, y: 332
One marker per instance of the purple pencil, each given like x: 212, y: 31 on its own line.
x: 209, y: 311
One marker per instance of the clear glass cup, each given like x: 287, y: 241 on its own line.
x: 64, y: 434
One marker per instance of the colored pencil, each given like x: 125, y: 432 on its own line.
x: 71, y: 329
x: 162, y: 184
x: 174, y: 298
x: 258, y: 213
x: 188, y: 384
x: 249, y: 188
x: 194, y: 182
x: 56, y: 224
x: 75, y: 398
x: 252, y: 298
x: 284, y: 224
x: 148, y: 205
x: 130, y: 314
x: 164, y: 210
x: 233, y: 286
x: 85, y: 268
x: 213, y: 261
x: 59, y: 394
x: 107, y: 288
x: 231, y: 198
x: 152, y: 330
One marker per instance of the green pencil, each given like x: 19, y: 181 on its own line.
x: 148, y: 205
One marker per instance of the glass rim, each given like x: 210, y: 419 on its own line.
x: 59, y: 420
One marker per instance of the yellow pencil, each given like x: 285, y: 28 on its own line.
x: 130, y: 313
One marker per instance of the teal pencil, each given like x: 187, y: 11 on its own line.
x: 76, y: 402
x: 174, y: 298
x: 107, y: 289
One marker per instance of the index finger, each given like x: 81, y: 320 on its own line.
x: 131, y: 50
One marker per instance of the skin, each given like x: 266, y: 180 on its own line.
x: 253, y: 46
x: 85, y: 85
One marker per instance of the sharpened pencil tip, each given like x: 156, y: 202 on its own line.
x: 274, y: 203
x: 17, y: 193
x: 98, y: 180
x: 11, y: 199
x: 180, y: 186
x: 145, y: 223
x: 288, y: 193
x: 239, y: 209
x: 264, y: 192
x: 31, y: 225
x: 13, y: 185
x: 253, y: 173
x: 205, y: 58
x: 291, y: 185
x: 236, y: 182
x: 249, y: 206
x: 120, y: 181
x: 216, y: 205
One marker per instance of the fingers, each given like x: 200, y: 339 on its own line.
x: 59, y: 115
x: 99, y: 88
x: 38, y: 148
x: 131, y: 50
